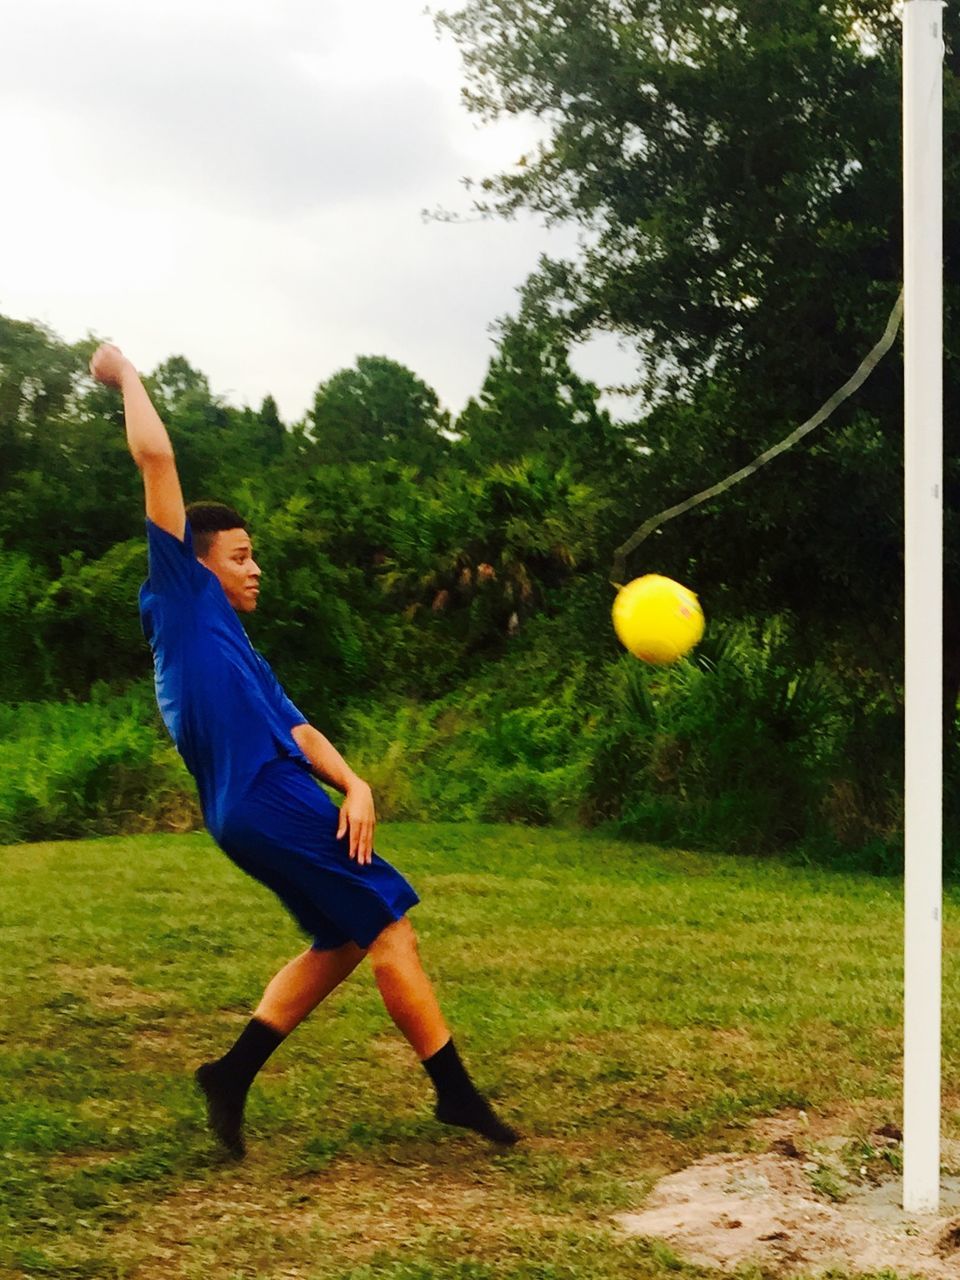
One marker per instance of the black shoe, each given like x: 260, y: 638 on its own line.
x: 477, y: 1114
x: 224, y: 1109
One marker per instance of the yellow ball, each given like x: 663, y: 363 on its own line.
x: 657, y: 619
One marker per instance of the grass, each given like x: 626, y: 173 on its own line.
x: 630, y: 1008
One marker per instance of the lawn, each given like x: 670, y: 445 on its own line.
x: 629, y: 1008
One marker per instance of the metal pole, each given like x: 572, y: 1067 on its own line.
x: 923, y: 453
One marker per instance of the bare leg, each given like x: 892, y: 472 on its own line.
x: 411, y: 1003
x: 406, y: 990
x: 303, y: 983
x: 295, y: 991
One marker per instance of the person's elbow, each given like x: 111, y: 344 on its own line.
x: 155, y: 458
x: 303, y: 734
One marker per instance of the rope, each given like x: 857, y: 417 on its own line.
x: 867, y: 366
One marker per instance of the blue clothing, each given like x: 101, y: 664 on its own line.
x: 284, y: 834
x: 231, y: 721
x: 222, y: 705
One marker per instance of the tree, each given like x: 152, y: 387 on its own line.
x: 219, y: 447
x: 724, y: 161
x: 175, y: 379
x: 37, y: 378
x: 65, y: 479
x: 532, y: 404
x: 87, y: 621
x: 379, y: 410
x: 274, y: 432
x: 735, y: 170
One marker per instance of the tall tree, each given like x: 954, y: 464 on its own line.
x: 61, y: 455
x: 735, y: 170
x: 218, y: 446
x: 376, y: 411
x: 532, y: 404
x: 724, y: 161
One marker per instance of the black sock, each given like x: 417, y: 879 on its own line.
x: 459, y: 1101
x: 238, y: 1066
x: 224, y: 1083
x: 449, y: 1075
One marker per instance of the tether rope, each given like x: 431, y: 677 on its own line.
x: 867, y: 366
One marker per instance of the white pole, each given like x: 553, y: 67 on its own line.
x: 923, y: 354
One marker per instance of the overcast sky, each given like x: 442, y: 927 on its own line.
x: 242, y: 182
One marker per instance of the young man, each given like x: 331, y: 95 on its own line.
x: 251, y: 753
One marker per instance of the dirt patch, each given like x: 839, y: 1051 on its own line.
x: 804, y: 1207
x: 71, y: 1162
x: 241, y: 1225
x: 108, y: 987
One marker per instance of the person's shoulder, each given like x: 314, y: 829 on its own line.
x: 173, y: 566
x: 160, y: 537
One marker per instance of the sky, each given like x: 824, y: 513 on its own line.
x: 243, y: 183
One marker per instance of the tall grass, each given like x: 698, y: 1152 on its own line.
x: 739, y: 747
x: 101, y: 766
x: 742, y: 747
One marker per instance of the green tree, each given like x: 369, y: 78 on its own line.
x: 219, y: 447
x: 88, y: 622
x: 476, y: 553
x: 22, y: 587
x: 274, y: 433
x: 736, y: 173
x: 726, y: 162
x: 377, y: 411
x: 65, y: 481
x: 37, y: 377
x: 532, y: 404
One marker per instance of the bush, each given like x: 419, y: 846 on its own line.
x: 22, y: 586
x: 738, y: 748
x: 741, y: 747
x: 88, y: 620
x: 470, y: 757
x: 100, y: 767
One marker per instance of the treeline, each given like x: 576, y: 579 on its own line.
x: 400, y: 550
x: 437, y: 590
x: 436, y: 595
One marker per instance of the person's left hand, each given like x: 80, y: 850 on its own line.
x: 358, y: 815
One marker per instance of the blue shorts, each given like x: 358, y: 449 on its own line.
x: 284, y: 834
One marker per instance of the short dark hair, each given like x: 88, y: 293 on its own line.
x: 207, y: 519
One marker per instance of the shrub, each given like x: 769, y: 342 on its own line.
x: 75, y: 769
x: 742, y: 747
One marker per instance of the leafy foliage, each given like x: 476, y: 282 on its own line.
x: 435, y: 594
x: 726, y: 162
x: 532, y: 403
x: 74, y: 769
x: 375, y: 412
x: 735, y: 170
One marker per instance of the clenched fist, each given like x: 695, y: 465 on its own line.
x: 108, y: 364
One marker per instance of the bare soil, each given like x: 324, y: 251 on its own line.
x: 799, y: 1208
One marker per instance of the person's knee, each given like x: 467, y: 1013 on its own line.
x: 395, y: 948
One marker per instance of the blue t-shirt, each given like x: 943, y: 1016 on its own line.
x: 222, y: 705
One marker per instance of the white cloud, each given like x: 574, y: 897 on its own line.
x: 242, y: 182
x: 225, y: 112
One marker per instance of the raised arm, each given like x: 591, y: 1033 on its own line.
x: 147, y: 438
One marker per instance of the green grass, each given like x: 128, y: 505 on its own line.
x: 630, y: 1008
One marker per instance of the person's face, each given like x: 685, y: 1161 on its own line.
x: 230, y: 558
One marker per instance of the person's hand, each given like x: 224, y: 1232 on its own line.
x: 358, y: 815
x: 108, y: 364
